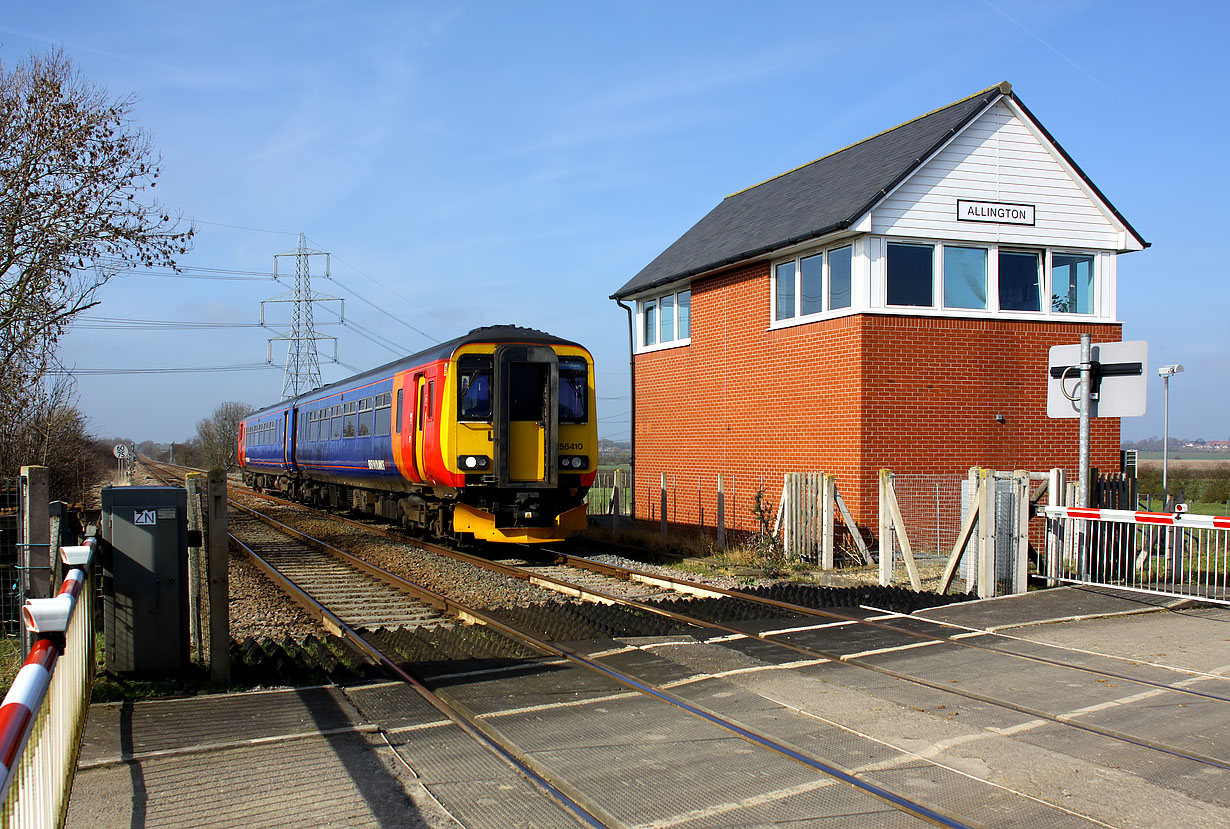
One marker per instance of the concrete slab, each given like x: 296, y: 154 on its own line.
x: 289, y: 757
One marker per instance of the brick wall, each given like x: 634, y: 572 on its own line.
x: 847, y: 396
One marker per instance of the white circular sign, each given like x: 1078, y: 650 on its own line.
x: 120, y: 451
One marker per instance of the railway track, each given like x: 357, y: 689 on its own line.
x: 606, y: 586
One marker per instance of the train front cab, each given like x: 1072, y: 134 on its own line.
x: 525, y: 441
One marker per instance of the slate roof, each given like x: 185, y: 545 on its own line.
x: 821, y: 197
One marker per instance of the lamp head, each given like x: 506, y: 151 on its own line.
x: 1166, y: 371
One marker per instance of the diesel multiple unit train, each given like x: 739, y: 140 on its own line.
x: 491, y: 435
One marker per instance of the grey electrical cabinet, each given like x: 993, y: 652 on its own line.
x: 145, y: 578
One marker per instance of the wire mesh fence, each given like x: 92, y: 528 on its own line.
x: 932, y: 507
x: 608, y: 495
x: 11, y: 592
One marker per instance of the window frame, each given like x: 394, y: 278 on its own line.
x: 826, y: 283
x: 652, y: 306
x: 1046, y: 254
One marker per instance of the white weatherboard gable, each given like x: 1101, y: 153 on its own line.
x: 1001, y: 157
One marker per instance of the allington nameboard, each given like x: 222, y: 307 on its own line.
x: 995, y: 211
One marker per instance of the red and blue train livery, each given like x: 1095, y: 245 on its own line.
x: 492, y: 435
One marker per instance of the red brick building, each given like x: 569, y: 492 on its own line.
x: 888, y: 305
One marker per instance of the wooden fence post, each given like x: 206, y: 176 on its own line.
x: 986, y: 536
x: 663, y: 503
x: 886, y: 531
x: 828, y: 527
x: 192, y: 483
x: 1020, y: 478
x: 219, y: 584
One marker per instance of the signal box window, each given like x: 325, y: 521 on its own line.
x: 1072, y: 283
x: 1019, y: 281
x: 573, y: 390
x: 965, y: 277
x: 666, y: 319
x: 910, y: 274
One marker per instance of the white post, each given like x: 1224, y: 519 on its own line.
x: 1021, y: 535
x: 1055, y: 498
x: 986, y: 536
x: 828, y: 523
x: 886, y: 531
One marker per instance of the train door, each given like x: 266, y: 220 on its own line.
x: 526, y: 384
x: 287, y: 436
x: 407, y: 433
x: 422, y: 403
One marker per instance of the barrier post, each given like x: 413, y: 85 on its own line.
x: 192, y: 483
x: 721, y: 514
x: 828, y: 522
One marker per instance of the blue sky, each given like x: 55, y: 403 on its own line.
x: 471, y: 163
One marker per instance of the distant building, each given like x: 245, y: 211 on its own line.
x: 888, y: 305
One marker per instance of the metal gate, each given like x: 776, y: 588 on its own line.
x: 1168, y: 554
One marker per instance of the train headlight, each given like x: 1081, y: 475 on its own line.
x: 473, y: 462
x: 576, y: 463
x: 573, y: 462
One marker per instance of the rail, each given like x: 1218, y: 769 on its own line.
x: 1171, y: 554
x: 43, y: 713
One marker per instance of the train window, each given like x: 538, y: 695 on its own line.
x: 383, y: 415
x: 399, y: 407
x: 348, y: 425
x: 474, y: 388
x: 366, y: 420
x: 335, y: 430
x: 431, y: 400
x: 422, y: 405
x: 573, y: 390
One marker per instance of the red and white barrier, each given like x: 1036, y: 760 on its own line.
x: 1123, y: 516
x: 51, y: 620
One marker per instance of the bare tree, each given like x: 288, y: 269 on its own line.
x: 74, y: 209
x: 219, y: 434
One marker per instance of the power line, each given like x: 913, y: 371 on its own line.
x: 83, y: 372
x: 400, y: 296
x: 391, y: 316
x: 128, y: 324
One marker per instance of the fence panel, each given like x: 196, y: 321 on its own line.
x: 932, y: 507
x: 601, y: 498
x: 1168, y: 554
x: 12, y: 592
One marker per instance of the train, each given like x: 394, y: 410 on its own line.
x: 491, y: 436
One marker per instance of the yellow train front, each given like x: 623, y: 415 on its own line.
x: 492, y: 435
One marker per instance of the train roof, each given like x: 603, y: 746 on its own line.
x: 486, y: 334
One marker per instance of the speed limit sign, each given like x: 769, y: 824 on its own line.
x: 120, y: 451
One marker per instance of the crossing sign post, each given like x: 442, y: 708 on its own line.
x: 1118, y: 380
x: 1103, y: 380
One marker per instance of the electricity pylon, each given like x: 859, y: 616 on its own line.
x: 302, y: 371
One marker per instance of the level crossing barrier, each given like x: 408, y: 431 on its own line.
x: 1172, y: 554
x: 43, y: 713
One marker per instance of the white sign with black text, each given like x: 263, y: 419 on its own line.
x: 995, y: 211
